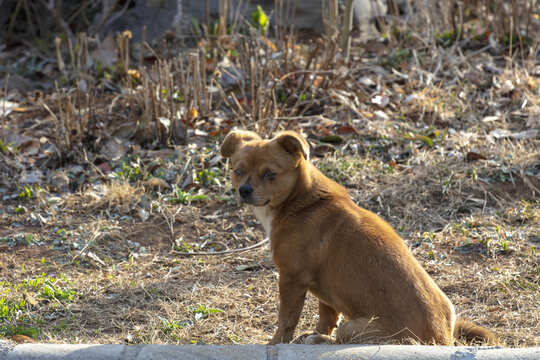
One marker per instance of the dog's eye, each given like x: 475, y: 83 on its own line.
x: 239, y: 172
x: 269, y: 175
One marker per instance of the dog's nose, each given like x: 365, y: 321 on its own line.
x: 245, y: 190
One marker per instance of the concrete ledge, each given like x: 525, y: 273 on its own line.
x: 9, y: 351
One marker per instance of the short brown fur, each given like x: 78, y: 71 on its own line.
x: 348, y: 257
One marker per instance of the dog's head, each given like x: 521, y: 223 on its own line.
x: 265, y: 171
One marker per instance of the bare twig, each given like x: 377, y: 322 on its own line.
x: 222, y: 252
x: 55, y: 10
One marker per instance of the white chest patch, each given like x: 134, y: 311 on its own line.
x: 265, y: 215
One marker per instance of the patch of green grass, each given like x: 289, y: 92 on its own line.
x: 184, y: 246
x: 185, y: 197
x: 51, y: 288
x: 30, y: 192
x: 528, y: 211
x: 493, y: 239
x: 9, y: 308
x: 445, y: 38
x: 131, y: 171
x: 14, y: 318
x: 209, y: 177
x: 343, y: 168
x: 62, y: 328
x: 202, y: 311
x: 521, y: 280
x: 396, y: 57
x: 171, y: 325
x: 3, y: 147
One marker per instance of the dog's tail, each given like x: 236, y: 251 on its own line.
x: 471, y: 333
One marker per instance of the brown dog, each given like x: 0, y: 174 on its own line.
x: 348, y: 257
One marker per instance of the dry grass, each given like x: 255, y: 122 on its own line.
x: 439, y: 139
x: 136, y: 288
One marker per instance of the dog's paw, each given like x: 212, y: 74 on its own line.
x: 301, y: 338
x: 313, y: 339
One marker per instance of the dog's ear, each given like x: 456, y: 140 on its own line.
x: 234, y: 139
x: 293, y: 143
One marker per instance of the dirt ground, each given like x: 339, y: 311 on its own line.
x: 118, y: 223
x: 136, y: 284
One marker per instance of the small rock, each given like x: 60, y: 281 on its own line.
x: 156, y: 182
x: 507, y: 87
x: 59, y: 182
x: 54, y: 200
x: 144, y: 215
x: 32, y: 177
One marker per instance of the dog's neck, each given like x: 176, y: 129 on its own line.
x: 264, y: 214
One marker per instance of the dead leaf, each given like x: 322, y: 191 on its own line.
x: 367, y: 81
x: 332, y: 139
x: 269, y: 43
x: 30, y: 148
x: 500, y: 133
x: 18, y: 338
x: 393, y: 164
x: 6, y: 107
x: 30, y: 299
x: 473, y: 156
x: 96, y: 258
x: 105, y: 167
x: 193, y: 113
x: 346, y: 130
x: 125, y: 130
x: 321, y: 150
x: 114, y: 149
x: 318, y: 81
x: 531, y: 83
x: 398, y: 88
x: 188, y: 180
x: 134, y: 74
x: 210, y: 65
x: 490, y: 118
x: 59, y: 182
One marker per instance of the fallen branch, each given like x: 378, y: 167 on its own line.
x: 223, y: 252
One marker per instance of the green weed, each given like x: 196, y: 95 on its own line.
x: 259, y: 20
x: 429, y: 136
x: 30, y: 192
x: 171, y: 325
x: 209, y: 177
x: 202, y: 311
x: 131, y: 172
x: 185, y: 197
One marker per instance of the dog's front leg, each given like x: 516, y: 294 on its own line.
x: 291, y: 301
x: 328, y: 319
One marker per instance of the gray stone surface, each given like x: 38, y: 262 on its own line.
x: 160, y: 16
x: 256, y: 352
x: 60, y: 351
